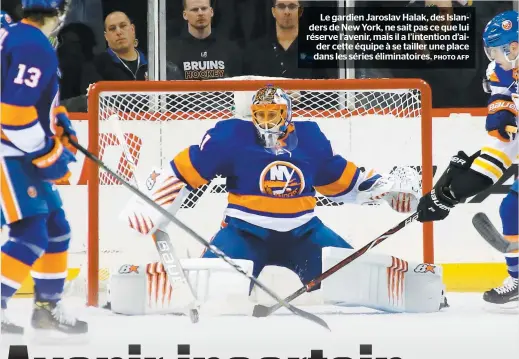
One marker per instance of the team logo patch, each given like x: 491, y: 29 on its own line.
x: 282, y: 179
x: 31, y: 191
x: 7, y: 18
x: 506, y: 25
x: 425, y: 268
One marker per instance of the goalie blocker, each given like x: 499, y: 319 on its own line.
x: 375, y: 281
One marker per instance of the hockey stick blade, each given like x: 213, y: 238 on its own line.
x: 200, y: 239
x: 491, y: 235
x: 261, y: 311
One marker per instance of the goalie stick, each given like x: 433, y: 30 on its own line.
x: 282, y: 303
x: 174, y: 271
x: 491, y: 235
x: 261, y: 311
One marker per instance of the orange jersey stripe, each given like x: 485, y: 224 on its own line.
x: 273, y: 204
x: 10, y: 205
x: 13, y: 115
x: 60, y: 109
x: 187, y: 170
x: 13, y: 269
x: 3, y: 136
x: 51, y: 263
x: 341, y: 184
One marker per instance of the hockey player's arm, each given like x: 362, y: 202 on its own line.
x: 342, y: 181
x: 29, y: 74
x: 466, y: 175
x: 199, y: 164
x: 168, y: 187
x: 27, y: 77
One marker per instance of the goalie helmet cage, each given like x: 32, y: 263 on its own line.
x: 149, y: 105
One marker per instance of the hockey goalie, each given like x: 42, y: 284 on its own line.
x: 273, y: 168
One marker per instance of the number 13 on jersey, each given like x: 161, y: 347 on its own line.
x: 29, y: 77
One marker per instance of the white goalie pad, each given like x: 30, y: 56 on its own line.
x: 165, y: 189
x: 382, y: 282
x: 140, y: 289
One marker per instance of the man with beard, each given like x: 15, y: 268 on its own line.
x: 277, y: 55
x: 200, y: 55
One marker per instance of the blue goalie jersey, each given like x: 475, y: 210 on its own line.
x: 30, y: 89
x: 276, y: 192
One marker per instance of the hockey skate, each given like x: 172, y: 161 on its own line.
x: 12, y: 334
x: 51, y: 321
x: 9, y: 327
x: 506, y: 296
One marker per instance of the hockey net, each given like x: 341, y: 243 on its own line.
x: 380, y: 123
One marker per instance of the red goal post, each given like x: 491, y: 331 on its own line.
x: 200, y: 100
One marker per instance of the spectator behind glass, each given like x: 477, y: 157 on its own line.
x: 199, y: 54
x: 122, y: 60
x: 277, y: 55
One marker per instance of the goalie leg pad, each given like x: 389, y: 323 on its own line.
x: 382, y: 282
x: 144, y: 288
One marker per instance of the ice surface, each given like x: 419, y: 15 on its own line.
x: 465, y: 330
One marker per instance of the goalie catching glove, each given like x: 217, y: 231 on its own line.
x: 401, y: 189
x: 164, y: 188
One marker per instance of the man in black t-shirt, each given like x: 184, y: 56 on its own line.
x: 200, y: 55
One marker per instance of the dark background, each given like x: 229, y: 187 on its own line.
x: 245, y: 20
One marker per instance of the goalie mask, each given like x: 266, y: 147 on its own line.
x: 272, y: 116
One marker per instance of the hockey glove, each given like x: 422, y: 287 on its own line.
x: 501, y: 113
x: 52, y: 161
x: 400, y: 189
x: 166, y: 190
x: 436, y: 205
x: 64, y: 129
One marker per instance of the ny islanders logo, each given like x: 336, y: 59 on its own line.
x: 281, y: 179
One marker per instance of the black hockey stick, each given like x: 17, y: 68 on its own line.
x: 200, y: 239
x: 263, y: 311
x: 491, y: 235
